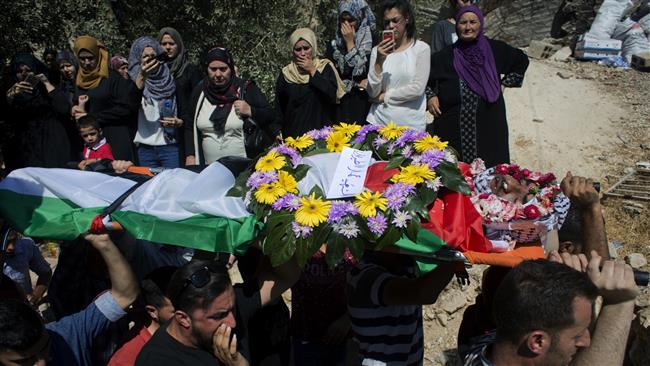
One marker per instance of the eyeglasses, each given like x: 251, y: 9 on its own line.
x: 201, y: 277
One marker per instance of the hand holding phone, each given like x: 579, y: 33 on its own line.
x: 388, y: 34
x: 33, y: 80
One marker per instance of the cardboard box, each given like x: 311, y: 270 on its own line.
x: 587, y: 43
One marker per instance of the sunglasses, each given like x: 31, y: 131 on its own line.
x: 201, y: 277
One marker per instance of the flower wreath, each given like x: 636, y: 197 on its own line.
x: 300, y: 222
x: 547, y: 207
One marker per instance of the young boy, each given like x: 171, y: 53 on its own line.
x: 95, y: 146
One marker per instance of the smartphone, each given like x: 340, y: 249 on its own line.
x: 388, y: 34
x: 33, y: 80
x: 162, y: 57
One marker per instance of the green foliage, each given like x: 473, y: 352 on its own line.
x: 256, y: 31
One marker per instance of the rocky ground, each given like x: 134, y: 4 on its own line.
x: 594, y: 121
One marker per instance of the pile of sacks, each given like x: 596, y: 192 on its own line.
x: 616, y: 21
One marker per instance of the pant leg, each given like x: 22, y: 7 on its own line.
x: 147, y: 156
x: 168, y: 155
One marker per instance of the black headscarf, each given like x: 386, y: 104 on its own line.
x: 225, y: 95
x: 36, y: 67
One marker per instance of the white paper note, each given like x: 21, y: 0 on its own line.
x: 350, y: 173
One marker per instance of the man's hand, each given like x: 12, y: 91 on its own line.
x: 225, y: 349
x: 100, y: 241
x: 121, y: 166
x: 578, y: 262
x: 615, y: 280
x: 190, y: 160
x: 580, y: 190
x: 433, y: 106
x: 242, y: 109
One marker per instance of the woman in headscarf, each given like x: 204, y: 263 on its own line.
x: 120, y: 65
x: 63, y: 97
x: 468, y: 102
x: 186, y: 76
x: 399, y: 69
x: 350, y: 51
x: 110, y: 99
x: 156, y: 136
x: 443, y: 32
x: 68, y: 66
x: 38, y: 135
x: 308, y: 89
x: 222, y: 104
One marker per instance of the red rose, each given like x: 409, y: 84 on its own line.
x: 532, y: 212
x: 525, y: 173
x: 502, y: 169
x: 546, y: 179
x: 483, y: 196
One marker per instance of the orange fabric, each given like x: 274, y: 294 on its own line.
x: 140, y: 170
x: 507, y: 259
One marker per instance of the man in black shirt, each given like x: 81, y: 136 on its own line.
x: 208, y: 308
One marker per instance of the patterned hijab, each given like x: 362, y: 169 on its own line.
x: 91, y: 79
x: 158, y: 85
x: 178, y: 65
x: 292, y: 73
x: 474, y: 61
x: 365, y: 18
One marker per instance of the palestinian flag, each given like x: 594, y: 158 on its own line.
x: 177, y: 206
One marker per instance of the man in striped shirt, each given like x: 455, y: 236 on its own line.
x: 385, y: 301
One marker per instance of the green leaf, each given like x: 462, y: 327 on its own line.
x: 395, y: 162
x: 426, y: 195
x: 413, y: 228
x: 357, y: 247
x: 279, y: 246
x: 335, y: 249
x: 317, y: 191
x: 239, y: 189
x: 390, y: 237
x: 363, y: 229
x: 452, y: 178
x: 300, y: 172
x: 317, y: 151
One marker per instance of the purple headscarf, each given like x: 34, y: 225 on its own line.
x: 474, y: 61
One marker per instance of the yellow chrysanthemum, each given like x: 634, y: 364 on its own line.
x: 414, y: 174
x: 268, y: 193
x: 391, y: 130
x: 348, y: 129
x: 271, y: 161
x: 368, y: 203
x: 429, y: 142
x: 336, y: 141
x: 299, y: 143
x: 312, y: 211
x: 287, y: 182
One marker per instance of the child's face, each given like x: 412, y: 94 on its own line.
x: 90, y: 135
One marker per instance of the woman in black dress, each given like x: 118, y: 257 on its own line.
x: 113, y: 100
x: 466, y: 80
x: 37, y: 134
x: 186, y: 76
x: 308, y: 89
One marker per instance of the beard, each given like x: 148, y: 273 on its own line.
x: 203, y: 341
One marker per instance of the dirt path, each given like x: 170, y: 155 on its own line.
x: 561, y: 124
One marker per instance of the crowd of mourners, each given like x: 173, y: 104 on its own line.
x: 120, y: 301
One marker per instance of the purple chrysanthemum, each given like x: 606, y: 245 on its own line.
x: 407, y: 151
x: 339, y: 209
x: 409, y: 135
x: 396, y: 194
x: 320, y: 134
x: 301, y: 231
x: 379, y: 141
x: 377, y: 224
x: 432, y: 158
x: 289, y: 202
x: 258, y: 178
x: 289, y: 151
x: 363, y: 132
